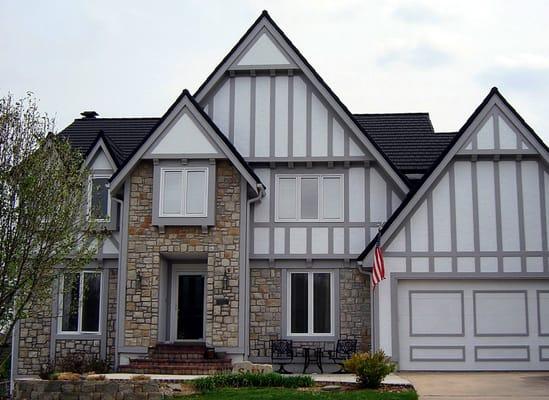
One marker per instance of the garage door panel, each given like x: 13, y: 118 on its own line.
x: 502, y: 353
x: 543, y: 312
x: 501, y: 324
x: 500, y: 312
x: 437, y: 353
x: 436, y: 313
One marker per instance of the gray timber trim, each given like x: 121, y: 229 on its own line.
x: 308, y: 119
x: 453, y: 225
x: 538, y: 300
x: 520, y: 205
x: 303, y: 263
x: 477, y: 348
x: 330, y: 125
x: 14, y: 362
x: 400, y: 276
x: 447, y: 159
x: 542, y: 202
x: 516, y: 253
x: 541, y: 349
x: 184, y: 103
x: 476, y: 332
x: 346, y: 203
x: 462, y: 358
x: 209, y: 220
x: 462, y: 303
x: 279, y: 40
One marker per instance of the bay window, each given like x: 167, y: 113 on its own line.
x: 310, y: 304
x: 184, y: 192
x: 80, y: 302
x: 309, y: 198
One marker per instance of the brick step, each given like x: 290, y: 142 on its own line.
x: 173, y: 371
x: 148, y: 361
x: 176, y: 356
x: 175, y: 347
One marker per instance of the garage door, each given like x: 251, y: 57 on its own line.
x: 473, y: 325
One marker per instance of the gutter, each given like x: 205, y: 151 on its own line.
x: 118, y: 282
x: 261, y: 194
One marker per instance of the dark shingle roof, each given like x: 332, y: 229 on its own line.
x: 122, y: 135
x: 408, y: 139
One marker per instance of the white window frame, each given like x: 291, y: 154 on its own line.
x: 310, y: 308
x: 320, y: 181
x: 79, y: 330
x: 90, y: 195
x: 184, y: 171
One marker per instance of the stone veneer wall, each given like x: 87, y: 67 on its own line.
x: 111, y: 314
x: 266, y: 310
x: 34, y: 340
x: 221, y: 244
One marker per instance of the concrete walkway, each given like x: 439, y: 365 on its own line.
x: 480, y: 385
x: 320, y: 378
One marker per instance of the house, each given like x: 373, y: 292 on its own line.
x: 248, y: 212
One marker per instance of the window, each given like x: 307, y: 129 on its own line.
x: 309, y: 198
x: 184, y: 192
x: 99, y: 206
x: 310, y: 299
x: 80, y: 302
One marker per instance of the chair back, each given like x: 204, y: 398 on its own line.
x: 346, y: 347
x: 282, y: 349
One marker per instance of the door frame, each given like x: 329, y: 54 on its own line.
x: 176, y: 273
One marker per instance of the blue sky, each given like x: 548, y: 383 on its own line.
x: 132, y: 58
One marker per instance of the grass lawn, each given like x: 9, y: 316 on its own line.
x: 281, y: 393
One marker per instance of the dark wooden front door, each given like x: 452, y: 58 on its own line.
x: 190, y: 307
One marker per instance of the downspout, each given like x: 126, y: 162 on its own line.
x: 118, y: 281
x: 260, y: 195
x: 360, y: 267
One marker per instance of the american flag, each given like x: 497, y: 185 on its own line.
x: 378, y: 270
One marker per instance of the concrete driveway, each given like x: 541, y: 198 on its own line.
x: 479, y: 385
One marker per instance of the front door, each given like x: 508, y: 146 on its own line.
x: 190, y: 307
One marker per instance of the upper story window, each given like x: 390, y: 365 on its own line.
x: 309, y: 198
x: 184, y: 192
x: 99, y: 204
x: 80, y: 302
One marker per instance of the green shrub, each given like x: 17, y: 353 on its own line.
x: 82, y: 363
x: 250, y: 379
x: 371, y: 367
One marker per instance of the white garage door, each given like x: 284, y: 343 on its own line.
x: 473, y: 325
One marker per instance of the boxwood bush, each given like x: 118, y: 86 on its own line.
x: 250, y: 379
x: 371, y: 367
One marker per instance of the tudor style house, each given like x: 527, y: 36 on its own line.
x: 248, y: 213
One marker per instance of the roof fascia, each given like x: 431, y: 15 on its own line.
x: 266, y: 22
x: 494, y: 98
x: 100, y: 144
x: 182, y: 102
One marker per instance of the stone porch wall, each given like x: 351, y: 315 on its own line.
x: 266, y: 302
x: 220, y: 244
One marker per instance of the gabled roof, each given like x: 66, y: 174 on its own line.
x: 185, y: 99
x: 122, y: 135
x: 266, y: 22
x: 406, y: 207
x: 408, y: 139
x: 101, y: 143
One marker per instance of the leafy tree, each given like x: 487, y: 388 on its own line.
x: 44, y: 229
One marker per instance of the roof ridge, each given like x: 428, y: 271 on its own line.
x: 113, y: 118
x: 397, y: 113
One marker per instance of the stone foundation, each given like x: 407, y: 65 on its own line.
x: 86, y: 390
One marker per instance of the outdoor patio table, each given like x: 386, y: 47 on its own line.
x: 312, y: 354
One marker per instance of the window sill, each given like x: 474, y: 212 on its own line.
x: 78, y: 335
x: 312, y: 338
